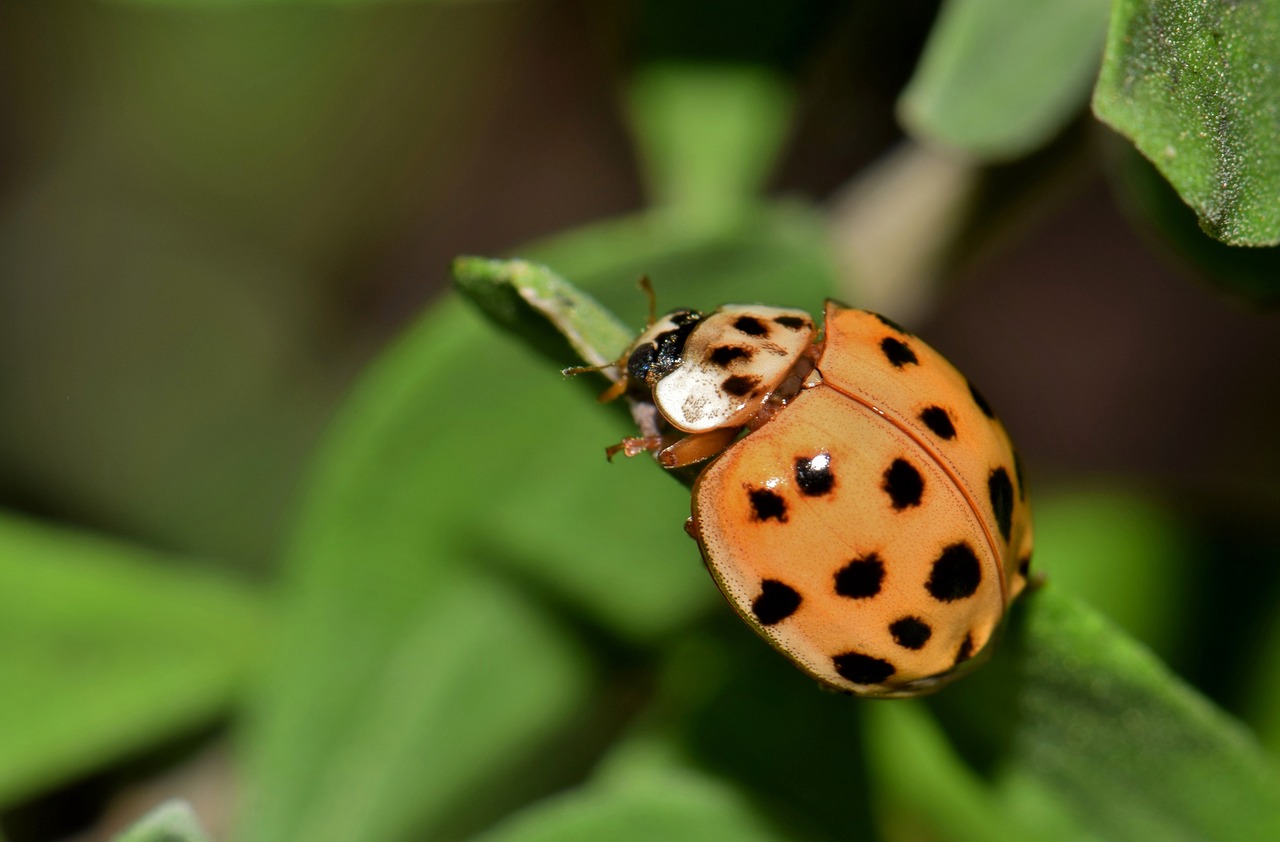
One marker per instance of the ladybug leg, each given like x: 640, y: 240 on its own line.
x: 697, y: 447
x: 635, y: 445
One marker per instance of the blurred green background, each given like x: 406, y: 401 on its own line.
x: 290, y: 531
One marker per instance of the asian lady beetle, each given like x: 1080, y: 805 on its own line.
x: 872, y: 524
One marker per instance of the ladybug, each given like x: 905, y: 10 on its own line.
x: 860, y: 506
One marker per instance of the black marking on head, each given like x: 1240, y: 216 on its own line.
x: 1017, y: 472
x: 751, y: 326
x: 860, y: 578
x: 891, y: 324
x: 1024, y: 566
x: 640, y: 363
x: 1000, y: 490
x: 862, y: 669
x: 956, y: 573
x: 740, y: 385
x: 965, y: 652
x: 910, y: 632
x: 776, y: 602
x: 980, y: 400
x: 813, y: 475
x: 726, y: 354
x: 767, y: 505
x: 939, y: 420
x: 898, y: 352
x: 650, y: 363
x: 790, y: 322
x: 903, y: 484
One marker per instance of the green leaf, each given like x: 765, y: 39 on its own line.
x: 1250, y: 274
x: 173, y: 821
x: 1122, y: 552
x: 923, y: 788
x: 108, y: 649
x: 538, y: 305
x: 1000, y: 78
x: 1193, y: 85
x: 1098, y: 733
x: 641, y: 799
x: 455, y: 468
x: 708, y: 136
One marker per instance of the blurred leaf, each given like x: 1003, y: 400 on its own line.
x: 924, y: 790
x: 459, y: 451
x: 708, y: 136
x: 419, y: 706
x: 642, y: 799
x: 173, y: 821
x: 999, y: 78
x: 1100, y: 734
x: 108, y: 649
x: 1123, y: 553
x: 1252, y: 274
x: 1193, y: 85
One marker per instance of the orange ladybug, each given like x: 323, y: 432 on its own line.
x: 863, y: 509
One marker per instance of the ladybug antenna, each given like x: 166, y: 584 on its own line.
x: 647, y: 288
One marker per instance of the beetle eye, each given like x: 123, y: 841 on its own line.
x: 640, y: 363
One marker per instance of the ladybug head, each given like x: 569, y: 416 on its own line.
x: 659, y: 349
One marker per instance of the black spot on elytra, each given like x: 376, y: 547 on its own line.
x: 1000, y: 490
x: 790, y: 322
x: 740, y: 385
x: 1024, y: 566
x: 860, y: 578
x: 813, y: 475
x: 903, y: 484
x: 956, y: 573
x: 980, y: 401
x: 862, y: 669
x: 898, y: 352
x: 1017, y: 472
x: 965, y: 652
x: 776, y: 602
x: 937, y: 419
x: 751, y: 326
x: 726, y: 354
x: 910, y: 632
x: 767, y: 505
x: 890, y: 323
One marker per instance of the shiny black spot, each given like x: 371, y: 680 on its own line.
x: 726, y: 354
x: 898, y: 352
x: 862, y: 669
x: 937, y: 419
x: 956, y: 574
x: 767, y: 505
x: 775, y: 603
x: 1024, y: 566
x: 751, y: 326
x: 903, y: 484
x: 740, y: 385
x: 965, y: 652
x: 910, y: 632
x: 791, y: 322
x: 813, y: 475
x: 890, y: 323
x: 860, y: 578
x: 650, y: 363
x: 980, y: 401
x: 1000, y: 490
